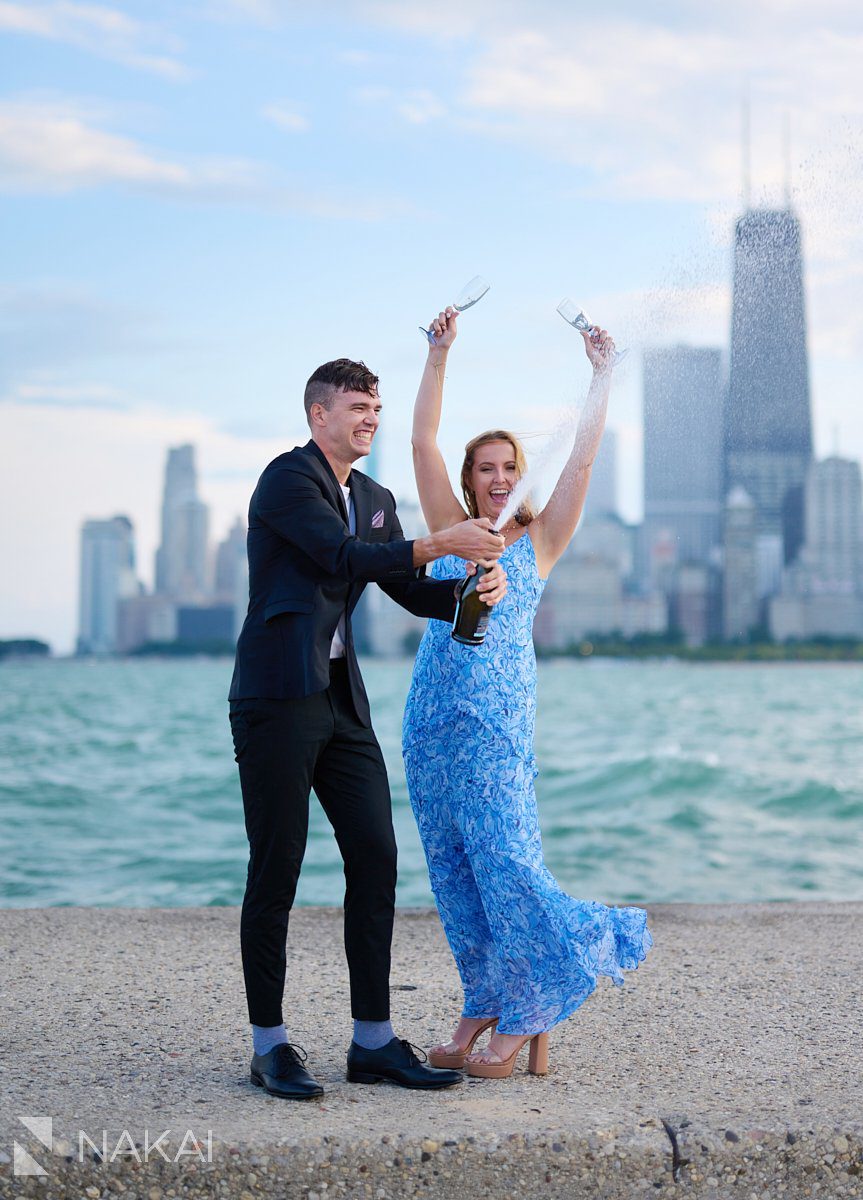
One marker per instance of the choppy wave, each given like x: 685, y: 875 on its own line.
x: 658, y: 782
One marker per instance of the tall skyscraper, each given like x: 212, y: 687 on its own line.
x: 230, y: 560
x: 740, y: 607
x: 822, y: 590
x: 602, y: 493
x: 107, y: 577
x: 182, y: 562
x: 232, y: 573
x: 590, y: 590
x: 693, y: 610
x: 768, y: 426
x: 606, y: 536
x: 683, y: 473
x: 583, y: 597
x: 833, y: 550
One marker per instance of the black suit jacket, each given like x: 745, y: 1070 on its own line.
x: 306, y: 569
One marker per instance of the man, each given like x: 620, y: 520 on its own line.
x: 318, y: 532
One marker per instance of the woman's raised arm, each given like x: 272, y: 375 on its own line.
x: 439, y: 503
x: 552, y: 530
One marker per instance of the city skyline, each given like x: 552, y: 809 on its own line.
x: 200, y: 588
x: 209, y: 202
x: 743, y: 532
x: 687, y: 571
x: 740, y: 527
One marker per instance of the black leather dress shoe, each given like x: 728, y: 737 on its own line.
x: 282, y: 1073
x: 397, y: 1061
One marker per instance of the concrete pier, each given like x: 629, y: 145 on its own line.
x: 728, y: 1066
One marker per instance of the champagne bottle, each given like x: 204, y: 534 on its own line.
x: 471, y: 613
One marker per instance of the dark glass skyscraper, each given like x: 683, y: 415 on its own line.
x: 683, y: 451
x: 768, y: 425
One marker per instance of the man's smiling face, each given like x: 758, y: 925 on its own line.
x: 346, y: 429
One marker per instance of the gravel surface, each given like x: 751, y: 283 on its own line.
x: 728, y: 1066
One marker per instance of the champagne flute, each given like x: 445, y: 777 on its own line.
x: 575, y: 316
x: 472, y: 292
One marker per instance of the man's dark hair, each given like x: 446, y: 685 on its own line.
x: 340, y: 375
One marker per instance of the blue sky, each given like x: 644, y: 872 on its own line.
x: 206, y: 200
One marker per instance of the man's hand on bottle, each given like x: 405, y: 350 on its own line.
x: 492, y: 587
x: 475, y: 540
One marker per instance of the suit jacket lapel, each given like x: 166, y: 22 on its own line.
x: 362, y: 505
x: 361, y: 496
x: 335, y: 489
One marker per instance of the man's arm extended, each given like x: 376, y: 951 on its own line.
x: 436, y: 597
x: 423, y: 597
x: 292, y: 504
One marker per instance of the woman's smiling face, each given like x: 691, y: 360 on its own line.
x: 493, y: 476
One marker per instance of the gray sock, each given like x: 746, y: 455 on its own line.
x: 267, y: 1036
x: 372, y: 1035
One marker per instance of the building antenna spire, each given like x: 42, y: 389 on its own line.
x: 746, y: 156
x: 786, y: 156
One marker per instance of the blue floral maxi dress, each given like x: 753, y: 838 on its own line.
x: 526, y: 951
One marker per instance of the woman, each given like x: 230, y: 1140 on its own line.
x: 528, y: 954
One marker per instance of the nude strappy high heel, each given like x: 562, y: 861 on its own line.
x: 455, y: 1059
x: 537, y: 1062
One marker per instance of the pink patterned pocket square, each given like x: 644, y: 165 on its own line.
x: 378, y: 519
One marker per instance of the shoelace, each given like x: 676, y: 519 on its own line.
x: 294, y: 1054
x: 416, y: 1055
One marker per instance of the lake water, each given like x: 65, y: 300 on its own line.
x: 659, y: 781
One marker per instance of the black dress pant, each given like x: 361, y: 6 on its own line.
x: 285, y: 748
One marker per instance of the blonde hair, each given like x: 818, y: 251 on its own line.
x: 525, y: 513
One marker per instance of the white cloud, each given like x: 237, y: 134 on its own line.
x: 54, y: 395
x: 602, y: 70
x: 355, y: 58
x: 106, y: 32
x: 653, y: 111
x: 417, y: 106
x: 446, y: 20
x: 258, y: 12
x: 285, y: 116
x: 646, y: 102
x: 55, y: 146
x: 48, y: 146
x: 450, y: 19
x: 374, y: 93
x: 420, y: 106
